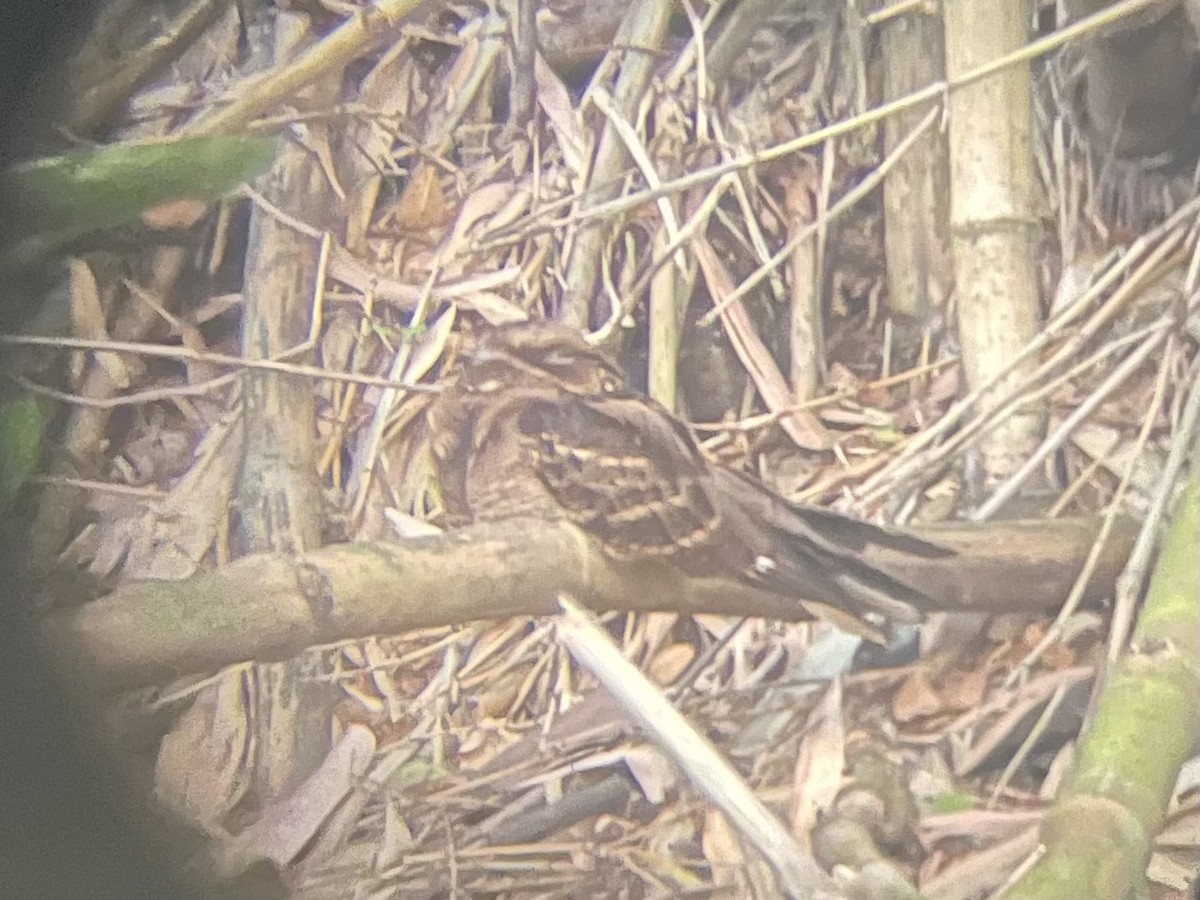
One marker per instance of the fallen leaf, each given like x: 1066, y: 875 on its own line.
x: 916, y: 698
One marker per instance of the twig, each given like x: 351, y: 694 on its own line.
x: 1075, y: 596
x: 354, y: 38
x: 620, y: 205
x: 844, y: 203
x: 1059, y: 436
x: 912, y: 461
x: 798, y: 873
x: 1129, y: 585
x: 163, y: 351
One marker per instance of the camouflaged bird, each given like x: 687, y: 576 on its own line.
x: 540, y: 423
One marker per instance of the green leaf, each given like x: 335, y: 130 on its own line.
x: 61, y: 197
x: 951, y: 802
x: 21, y: 430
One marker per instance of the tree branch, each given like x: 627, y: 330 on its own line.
x: 268, y: 607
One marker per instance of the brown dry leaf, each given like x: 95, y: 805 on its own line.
x: 495, y: 644
x: 1006, y: 716
x: 916, y: 698
x: 422, y: 205
x: 720, y: 846
x: 397, y: 838
x: 943, y: 389
x: 980, y: 874
x: 174, y: 214
x: 1058, y: 655
x: 801, y: 425
x: 495, y: 698
x: 488, y: 201
x: 286, y: 827
x: 494, y: 309
x: 1182, y: 830
x: 670, y: 662
x: 119, y: 523
x: 316, y: 139
x: 817, y: 775
x: 176, y: 533
x: 511, y: 211
x: 654, y: 773
x: 200, y: 772
x: 842, y: 379
x: 87, y: 318
x: 387, y: 89
x: 210, y: 59
x: 1171, y: 873
x: 405, y: 526
x: 964, y: 690
x: 429, y: 346
x: 159, y: 448
x: 378, y: 666
x: 978, y: 826
x: 1020, y: 645
x: 555, y: 100
x: 1114, y: 449
x: 646, y: 634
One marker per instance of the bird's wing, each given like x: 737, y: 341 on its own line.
x: 629, y: 473
x: 624, y: 470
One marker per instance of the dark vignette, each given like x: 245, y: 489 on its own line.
x: 63, y: 830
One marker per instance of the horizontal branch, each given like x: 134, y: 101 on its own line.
x: 269, y: 607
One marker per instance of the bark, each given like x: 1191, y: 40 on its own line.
x: 279, y: 495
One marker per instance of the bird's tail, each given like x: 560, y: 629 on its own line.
x: 818, y: 555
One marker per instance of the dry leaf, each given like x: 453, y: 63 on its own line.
x: 720, y: 846
x: 555, y: 100
x: 800, y: 425
x: 654, y: 773
x: 964, y: 690
x: 483, y: 203
x: 87, y: 316
x: 176, y: 533
x: 175, y: 214
x: 670, y: 662
x: 494, y: 309
x: 429, y: 346
x: 405, y: 526
x: 817, y: 774
x: 422, y: 206
x: 200, y: 772
x: 916, y: 698
x: 286, y: 827
x: 495, y: 698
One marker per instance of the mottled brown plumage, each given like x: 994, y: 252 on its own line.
x: 540, y: 423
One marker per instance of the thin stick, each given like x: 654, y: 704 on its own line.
x: 799, y: 874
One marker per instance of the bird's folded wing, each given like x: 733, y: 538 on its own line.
x: 624, y: 471
x: 631, y: 475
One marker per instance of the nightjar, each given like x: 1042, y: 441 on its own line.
x: 540, y: 423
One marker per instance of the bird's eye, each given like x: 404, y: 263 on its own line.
x: 608, y: 385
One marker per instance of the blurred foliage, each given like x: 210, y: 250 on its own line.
x: 50, y: 201
x: 21, y: 430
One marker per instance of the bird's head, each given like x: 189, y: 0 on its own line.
x: 540, y: 354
